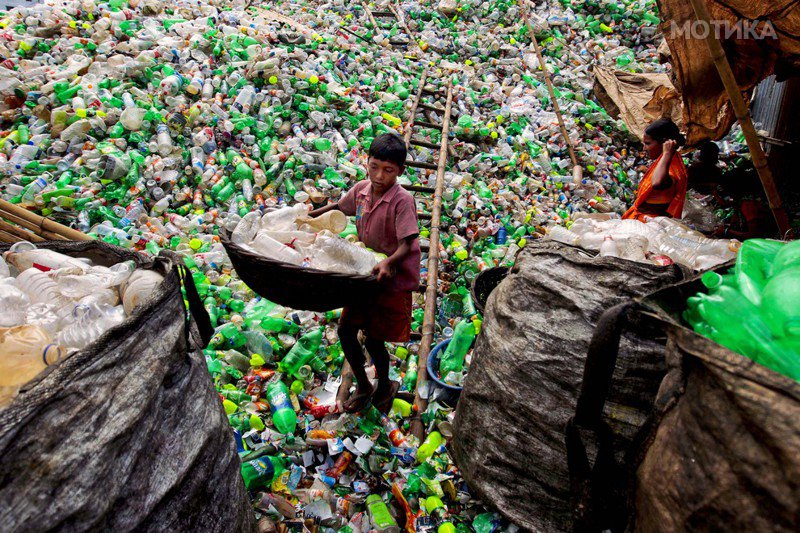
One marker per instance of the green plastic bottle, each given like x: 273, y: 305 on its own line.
x: 787, y: 257
x: 382, y: 519
x: 754, y: 265
x: 429, y: 446
x: 410, y: 379
x: 283, y: 415
x: 453, y: 358
x: 438, y: 512
x: 260, y: 472
x: 781, y: 303
x: 302, y: 352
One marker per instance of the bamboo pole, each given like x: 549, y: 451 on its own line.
x: 29, y: 226
x: 371, y: 18
x: 20, y: 233
x: 433, y: 272
x: 742, y: 114
x: 577, y: 171
x: 44, y: 224
x: 406, y: 29
x: 7, y: 238
x: 413, y: 112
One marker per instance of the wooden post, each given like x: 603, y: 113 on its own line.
x: 743, y: 116
x: 429, y: 319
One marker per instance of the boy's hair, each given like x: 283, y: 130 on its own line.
x: 389, y: 147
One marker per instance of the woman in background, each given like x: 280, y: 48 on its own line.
x: 662, y: 190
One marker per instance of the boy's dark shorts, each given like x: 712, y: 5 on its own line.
x: 387, y: 317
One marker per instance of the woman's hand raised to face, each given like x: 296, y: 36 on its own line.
x: 670, y: 148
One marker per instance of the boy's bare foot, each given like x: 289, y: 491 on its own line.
x: 360, y: 399
x: 385, y: 396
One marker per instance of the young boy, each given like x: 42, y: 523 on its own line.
x: 386, y: 220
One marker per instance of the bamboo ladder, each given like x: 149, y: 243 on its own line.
x: 431, y: 285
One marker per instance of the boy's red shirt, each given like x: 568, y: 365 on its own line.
x: 382, y: 226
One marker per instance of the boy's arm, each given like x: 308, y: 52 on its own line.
x: 385, y: 269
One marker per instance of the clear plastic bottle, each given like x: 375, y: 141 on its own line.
x: 609, y: 247
x: 13, y: 304
x: 331, y: 252
x: 42, y: 259
x: 88, y: 323
x: 26, y: 351
x: 269, y: 247
x: 284, y: 219
x: 39, y: 288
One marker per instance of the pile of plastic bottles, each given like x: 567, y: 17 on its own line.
x: 754, y: 309
x: 52, y: 304
x: 288, y: 235
x: 661, y: 241
x: 156, y: 125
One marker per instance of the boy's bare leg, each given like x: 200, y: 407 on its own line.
x: 355, y: 357
x: 386, y: 389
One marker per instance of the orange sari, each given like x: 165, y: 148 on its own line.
x: 667, y: 202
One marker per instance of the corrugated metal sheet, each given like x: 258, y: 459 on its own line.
x: 767, y: 106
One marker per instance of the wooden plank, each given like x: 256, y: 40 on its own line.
x: 419, y: 188
x: 426, y: 144
x: 424, y: 124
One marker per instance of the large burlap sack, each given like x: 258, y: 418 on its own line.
x: 526, y: 372
x: 723, y: 450
x: 127, y: 434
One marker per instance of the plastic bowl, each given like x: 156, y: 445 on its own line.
x: 451, y: 392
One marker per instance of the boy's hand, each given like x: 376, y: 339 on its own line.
x: 383, y: 270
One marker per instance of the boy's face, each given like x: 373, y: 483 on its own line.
x: 382, y: 174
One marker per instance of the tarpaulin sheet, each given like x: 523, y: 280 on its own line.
x: 707, y: 111
x: 637, y: 99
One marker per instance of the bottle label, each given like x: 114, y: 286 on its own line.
x: 262, y: 468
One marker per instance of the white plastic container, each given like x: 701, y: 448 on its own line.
x: 138, y: 288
